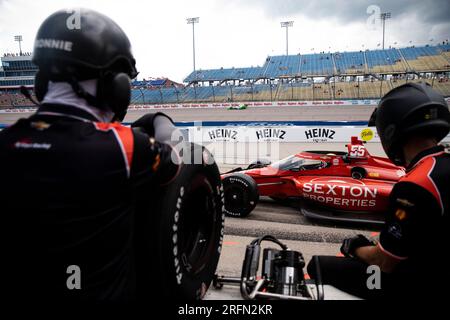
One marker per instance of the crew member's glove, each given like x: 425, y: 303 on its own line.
x: 350, y: 245
x: 158, y: 125
x: 162, y: 129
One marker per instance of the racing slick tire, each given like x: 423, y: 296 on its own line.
x: 181, y: 238
x: 241, y: 195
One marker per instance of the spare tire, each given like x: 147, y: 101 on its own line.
x: 182, y: 237
x: 241, y: 194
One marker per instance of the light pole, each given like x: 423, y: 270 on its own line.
x: 287, y: 24
x: 384, y: 16
x: 193, y: 21
x: 19, y: 39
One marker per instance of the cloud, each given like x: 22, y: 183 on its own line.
x: 237, y: 33
x: 347, y: 11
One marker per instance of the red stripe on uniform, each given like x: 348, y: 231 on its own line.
x: 126, y: 136
x: 421, y: 175
x: 125, y: 139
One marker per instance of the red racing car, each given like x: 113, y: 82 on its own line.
x: 335, y: 185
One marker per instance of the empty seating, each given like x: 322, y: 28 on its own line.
x: 350, y: 62
x: 282, y: 66
x: 371, y: 90
x: 322, y: 91
x: 263, y: 92
x: 317, y: 64
x: 325, y: 64
x: 225, y: 74
x: 283, y: 91
x: 426, y: 58
x: 385, y: 61
x: 345, y: 90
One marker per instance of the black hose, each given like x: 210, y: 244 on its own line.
x: 319, y: 282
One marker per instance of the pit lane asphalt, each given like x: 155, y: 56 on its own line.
x: 287, y: 222
x: 233, y: 253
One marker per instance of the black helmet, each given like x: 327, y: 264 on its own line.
x: 412, y: 108
x: 80, y: 44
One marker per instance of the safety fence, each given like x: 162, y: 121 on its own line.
x: 135, y: 107
x: 138, y: 107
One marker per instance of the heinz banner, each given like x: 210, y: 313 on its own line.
x: 281, y: 134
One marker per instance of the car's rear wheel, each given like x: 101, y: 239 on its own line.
x: 241, y: 195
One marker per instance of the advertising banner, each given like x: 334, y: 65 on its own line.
x: 313, y: 134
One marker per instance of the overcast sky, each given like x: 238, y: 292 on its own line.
x: 238, y: 33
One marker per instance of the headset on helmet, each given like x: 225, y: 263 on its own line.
x: 410, y: 109
x: 97, y: 48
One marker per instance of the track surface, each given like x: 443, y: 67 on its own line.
x: 303, y: 113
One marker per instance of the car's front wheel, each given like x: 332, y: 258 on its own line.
x: 241, y: 195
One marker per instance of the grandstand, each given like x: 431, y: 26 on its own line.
x: 16, y: 70
x: 340, y: 75
x: 386, y: 61
x: 350, y: 62
x: 381, y: 62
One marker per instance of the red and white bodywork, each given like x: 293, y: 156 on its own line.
x: 352, y: 181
